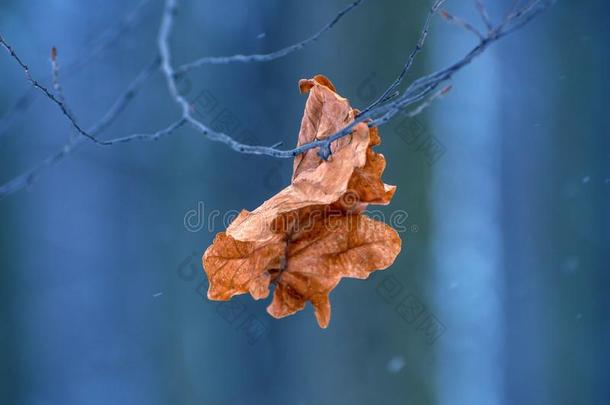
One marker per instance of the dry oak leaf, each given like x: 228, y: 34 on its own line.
x: 312, y: 233
x: 326, y: 113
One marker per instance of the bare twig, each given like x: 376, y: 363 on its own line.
x: 427, y: 84
x: 514, y: 7
x: 55, y: 73
x: 165, y: 30
x: 461, y: 23
x: 424, y: 90
x: 55, y: 78
x: 435, y: 96
x: 104, y: 41
x: 154, y: 136
x: 518, y: 17
x: 484, y: 15
x: 57, y: 82
x: 27, y: 178
x: 377, y: 116
x: 391, y: 90
x: 62, y: 106
x: 267, y: 57
x: 61, y: 102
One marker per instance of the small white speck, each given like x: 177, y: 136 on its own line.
x: 586, y: 179
x: 157, y: 294
x: 261, y: 35
x: 396, y: 364
x: 570, y: 264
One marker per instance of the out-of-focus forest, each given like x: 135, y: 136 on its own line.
x: 499, y: 296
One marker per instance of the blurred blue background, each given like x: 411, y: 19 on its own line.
x: 500, y: 295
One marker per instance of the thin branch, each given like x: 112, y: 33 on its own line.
x: 424, y: 88
x: 55, y: 73
x: 154, y: 136
x: 427, y: 84
x: 104, y: 41
x: 186, y: 107
x: 44, y: 90
x: 165, y: 30
x: 114, y: 33
x: 519, y: 17
x: 462, y: 24
x: 391, y: 90
x: 423, y: 106
x: 27, y: 178
x: 380, y: 115
x: 514, y: 7
x: 484, y: 15
x: 217, y: 60
x: 57, y: 82
x: 59, y: 100
x: 55, y: 79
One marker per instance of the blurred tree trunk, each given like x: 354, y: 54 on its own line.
x: 555, y: 216
x: 467, y: 235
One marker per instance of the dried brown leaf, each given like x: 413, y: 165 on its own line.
x: 325, y: 113
x: 336, y: 246
x: 312, y: 233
